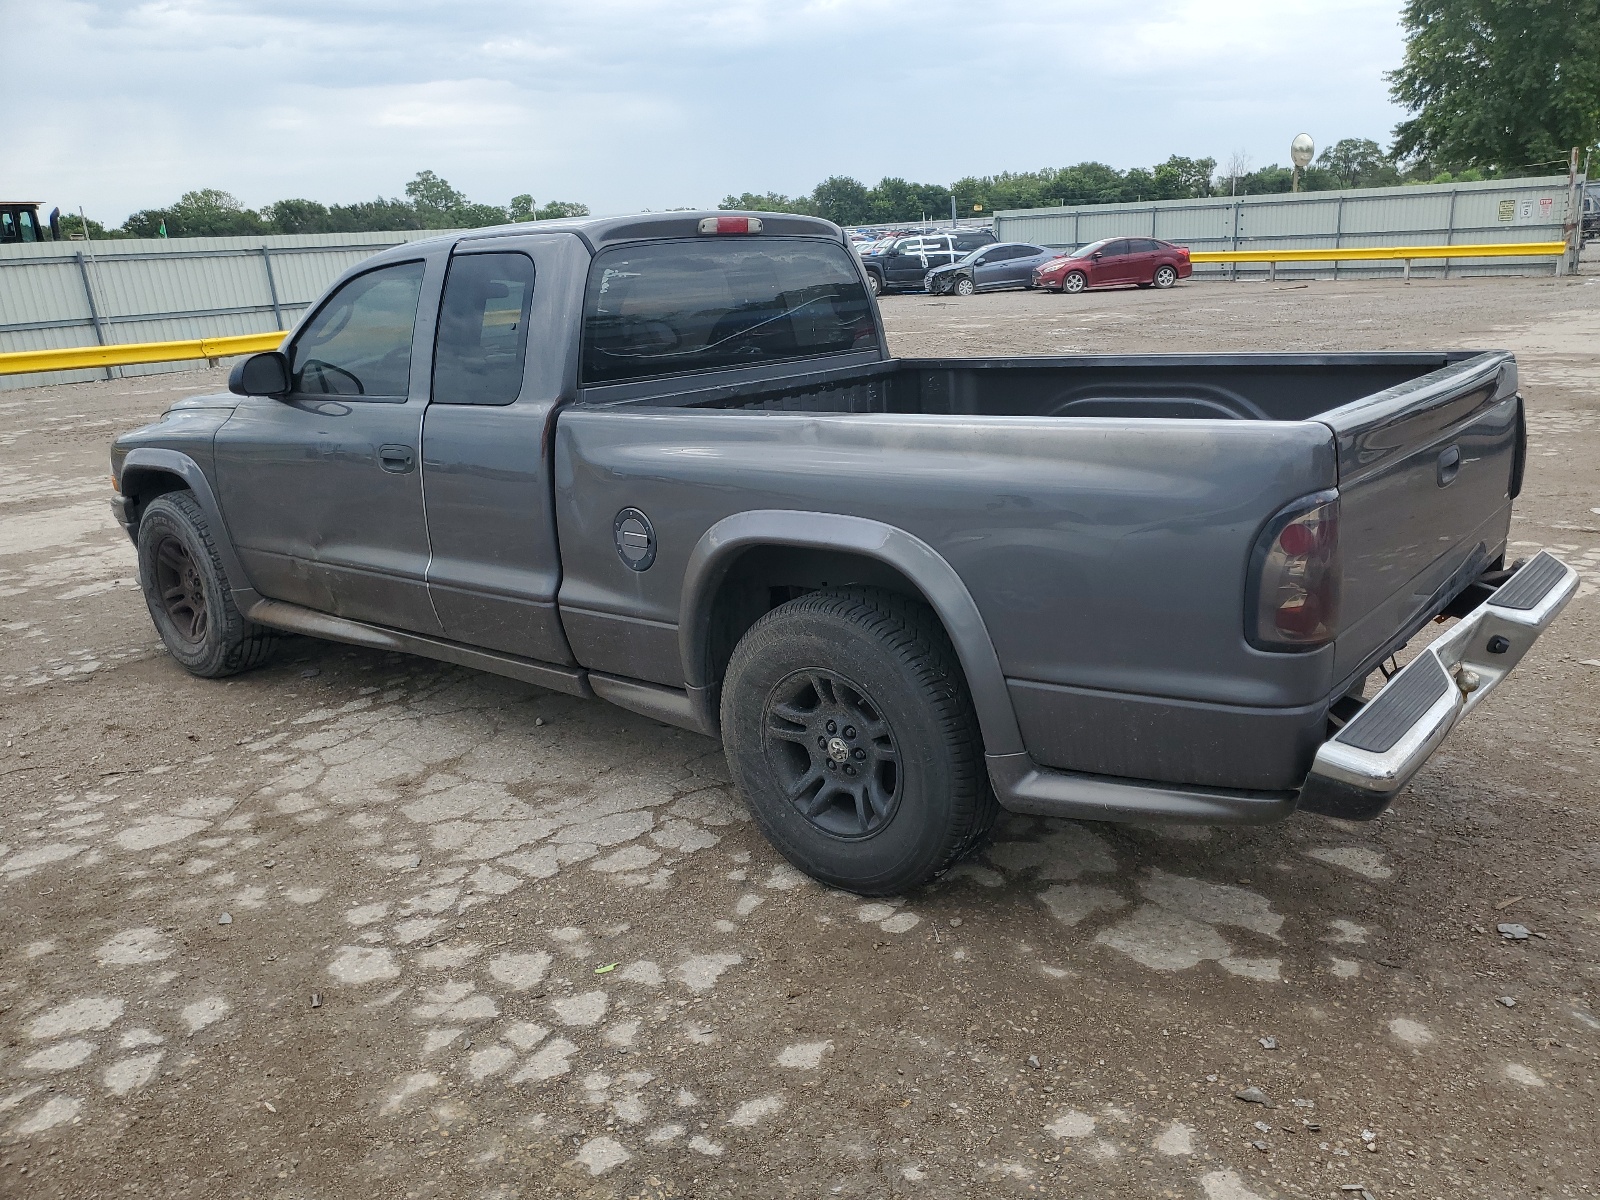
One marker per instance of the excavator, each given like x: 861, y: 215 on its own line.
x: 19, y: 222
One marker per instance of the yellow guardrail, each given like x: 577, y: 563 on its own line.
x: 21, y: 362
x: 1355, y: 253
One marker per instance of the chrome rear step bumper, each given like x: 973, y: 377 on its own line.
x: 1361, y: 768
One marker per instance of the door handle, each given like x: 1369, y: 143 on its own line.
x: 397, y: 459
x: 1449, y: 465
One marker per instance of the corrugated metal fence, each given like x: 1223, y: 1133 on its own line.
x: 58, y: 294
x: 1493, y: 211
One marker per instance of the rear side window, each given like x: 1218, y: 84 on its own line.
x: 359, y: 343
x: 665, y: 308
x: 482, y: 343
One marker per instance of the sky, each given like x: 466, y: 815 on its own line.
x: 635, y: 104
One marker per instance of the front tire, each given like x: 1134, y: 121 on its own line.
x: 1074, y: 283
x: 965, y: 287
x: 1165, y: 276
x: 849, y: 728
x: 874, y: 284
x: 189, y: 595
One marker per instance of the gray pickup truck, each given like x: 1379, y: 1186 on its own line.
x: 668, y: 461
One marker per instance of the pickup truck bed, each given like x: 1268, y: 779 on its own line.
x: 1163, y: 579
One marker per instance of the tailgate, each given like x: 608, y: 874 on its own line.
x: 1427, y: 472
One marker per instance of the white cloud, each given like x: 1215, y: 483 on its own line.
x: 630, y: 104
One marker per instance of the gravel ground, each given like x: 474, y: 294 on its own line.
x: 357, y: 924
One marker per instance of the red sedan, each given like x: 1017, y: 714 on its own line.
x: 1113, y: 262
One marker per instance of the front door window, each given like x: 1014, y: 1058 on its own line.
x: 359, y: 343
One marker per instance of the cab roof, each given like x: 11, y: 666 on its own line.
x: 604, y: 231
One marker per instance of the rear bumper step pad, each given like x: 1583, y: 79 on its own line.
x: 1361, y: 768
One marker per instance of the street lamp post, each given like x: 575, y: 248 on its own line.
x: 1300, y: 152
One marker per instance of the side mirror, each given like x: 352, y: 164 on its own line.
x: 265, y: 374
x: 1099, y: 254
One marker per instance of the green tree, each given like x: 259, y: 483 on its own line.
x: 72, y: 229
x: 372, y: 216
x: 434, y: 199
x: 208, y: 212
x: 843, y: 200
x: 768, y: 202
x: 520, y: 208
x: 557, y: 209
x: 1502, y: 84
x: 1359, y: 163
x: 1179, y: 178
x: 298, y: 216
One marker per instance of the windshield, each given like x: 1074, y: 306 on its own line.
x: 1085, y: 251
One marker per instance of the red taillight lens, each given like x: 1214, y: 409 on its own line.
x: 1295, y: 574
x: 731, y: 225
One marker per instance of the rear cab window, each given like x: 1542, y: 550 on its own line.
x: 668, y: 308
x: 481, y: 345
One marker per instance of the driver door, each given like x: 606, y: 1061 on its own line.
x: 322, y: 490
x: 989, y: 268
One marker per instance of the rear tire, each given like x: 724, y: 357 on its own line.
x: 189, y: 595
x: 849, y: 728
x: 1166, y: 275
x: 1074, y: 283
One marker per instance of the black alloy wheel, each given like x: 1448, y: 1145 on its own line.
x: 180, y: 590
x: 850, y: 732
x: 833, y: 752
x: 189, y: 594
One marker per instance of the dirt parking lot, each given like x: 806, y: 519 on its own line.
x: 363, y: 925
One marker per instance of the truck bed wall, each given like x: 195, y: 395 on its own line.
x: 1258, y: 387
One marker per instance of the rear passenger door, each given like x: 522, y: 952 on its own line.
x: 1142, y: 259
x: 485, y: 465
x: 1020, y: 265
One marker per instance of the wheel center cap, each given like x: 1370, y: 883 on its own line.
x: 838, y: 749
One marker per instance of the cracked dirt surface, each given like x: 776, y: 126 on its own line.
x: 363, y: 924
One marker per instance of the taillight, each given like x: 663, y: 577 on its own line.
x: 731, y: 225
x: 1295, y: 577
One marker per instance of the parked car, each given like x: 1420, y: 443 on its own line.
x: 990, y: 268
x: 903, y: 263
x: 669, y: 462
x: 1114, y: 262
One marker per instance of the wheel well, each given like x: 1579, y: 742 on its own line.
x: 764, y: 577
x: 139, y: 487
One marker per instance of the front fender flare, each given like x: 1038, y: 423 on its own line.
x: 159, y: 461
x: 935, y: 578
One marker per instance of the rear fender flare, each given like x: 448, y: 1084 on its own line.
x: 721, y: 545
x: 153, y: 460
